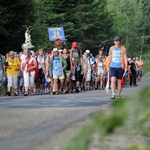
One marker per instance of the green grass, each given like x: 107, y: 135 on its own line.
x: 82, y: 140
x: 135, y: 110
x: 107, y: 123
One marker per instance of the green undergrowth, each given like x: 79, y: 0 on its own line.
x: 82, y: 140
x: 146, y: 58
x: 127, y: 117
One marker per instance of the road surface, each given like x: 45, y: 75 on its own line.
x: 47, y: 122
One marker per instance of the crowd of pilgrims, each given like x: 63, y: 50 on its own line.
x: 60, y: 71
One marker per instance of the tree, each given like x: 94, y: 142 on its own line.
x: 13, y: 15
x: 144, y: 25
x: 131, y: 21
x: 86, y: 22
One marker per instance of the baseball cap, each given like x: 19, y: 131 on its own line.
x: 117, y: 38
x: 87, y: 51
x: 74, y: 44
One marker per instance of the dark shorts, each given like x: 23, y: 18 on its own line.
x: 41, y: 78
x: 116, y: 72
x: 78, y: 75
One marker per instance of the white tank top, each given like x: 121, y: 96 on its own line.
x: 100, y: 68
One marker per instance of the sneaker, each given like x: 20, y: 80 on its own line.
x: 37, y: 92
x: 5, y: 94
x: 61, y: 90
x: 74, y: 90
x: 113, y: 96
x: 67, y: 92
x: 32, y: 93
x: 101, y: 88
x: 64, y: 92
x: 89, y: 88
x: 54, y: 92
x: 119, y: 96
x: 8, y: 93
x: 26, y: 93
x: 23, y: 91
x: 40, y: 93
x: 47, y: 91
x: 77, y: 90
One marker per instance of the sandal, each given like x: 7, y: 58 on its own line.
x: 57, y: 93
x: 15, y: 94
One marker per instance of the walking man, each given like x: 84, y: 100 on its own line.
x: 117, y: 64
x: 76, y: 55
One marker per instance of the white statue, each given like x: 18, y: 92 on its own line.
x: 28, y: 37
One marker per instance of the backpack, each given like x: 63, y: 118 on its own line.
x: 36, y: 70
x: 78, y: 51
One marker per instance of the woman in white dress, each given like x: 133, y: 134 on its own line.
x: 100, y: 71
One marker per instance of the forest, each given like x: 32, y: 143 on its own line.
x: 89, y: 22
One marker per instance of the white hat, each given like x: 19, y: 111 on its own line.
x: 60, y: 50
x: 32, y: 52
x: 129, y: 59
x: 55, y: 50
x: 87, y: 51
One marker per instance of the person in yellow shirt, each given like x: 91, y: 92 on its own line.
x: 12, y: 65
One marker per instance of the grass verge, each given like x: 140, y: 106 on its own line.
x: 128, y: 117
x: 82, y: 140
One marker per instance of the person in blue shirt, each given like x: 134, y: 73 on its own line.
x: 58, y: 66
x: 117, y: 65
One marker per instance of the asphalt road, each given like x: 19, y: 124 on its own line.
x: 43, y: 122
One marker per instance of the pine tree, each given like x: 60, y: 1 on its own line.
x: 84, y: 21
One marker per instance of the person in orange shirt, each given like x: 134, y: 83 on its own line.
x: 139, y: 65
x: 117, y: 65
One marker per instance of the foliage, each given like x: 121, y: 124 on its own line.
x: 13, y: 15
x: 86, y: 22
x: 82, y: 141
x: 131, y: 18
x: 89, y: 22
